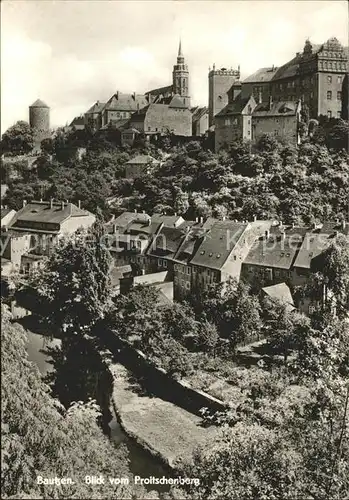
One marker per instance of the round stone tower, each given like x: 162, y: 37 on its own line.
x: 39, y: 120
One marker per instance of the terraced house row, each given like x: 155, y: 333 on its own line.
x: 195, y: 254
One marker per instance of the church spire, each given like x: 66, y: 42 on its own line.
x: 180, y: 49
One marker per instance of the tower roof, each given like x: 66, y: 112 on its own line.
x: 39, y: 104
x: 180, y: 49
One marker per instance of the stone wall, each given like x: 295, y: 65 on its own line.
x: 157, y: 380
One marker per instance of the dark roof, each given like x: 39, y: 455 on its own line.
x: 141, y: 160
x: 78, y: 122
x: 191, y: 243
x: 279, y: 108
x: 38, y: 104
x: 96, y: 108
x: 168, y: 220
x: 198, y: 112
x: 38, y: 211
x: 289, y: 69
x: 116, y: 124
x: 317, y: 240
x: 261, y: 75
x: 236, y: 107
x: 166, y: 242
x: 126, y: 102
x: 124, y: 219
x: 134, y: 130
x: 218, y: 244
x: 276, y: 251
x: 160, y: 90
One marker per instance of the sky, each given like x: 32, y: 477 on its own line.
x: 71, y: 53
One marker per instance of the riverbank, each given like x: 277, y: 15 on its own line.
x: 165, y: 430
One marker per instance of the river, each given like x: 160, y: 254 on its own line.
x: 141, y: 462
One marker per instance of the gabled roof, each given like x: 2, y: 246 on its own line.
x: 235, y: 107
x: 96, y: 108
x: 116, y: 124
x: 282, y: 293
x: 160, y: 90
x: 124, y: 219
x: 126, y: 102
x: 6, y: 211
x: 277, y: 250
x: 261, y: 75
x: 177, y: 102
x: 279, y: 108
x: 41, y: 211
x: 166, y: 242
x: 39, y: 104
x: 312, y: 246
x: 168, y: 220
x: 78, y: 122
x: 141, y: 160
x: 198, y: 112
x: 218, y: 244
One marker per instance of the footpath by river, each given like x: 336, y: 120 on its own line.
x: 142, y: 463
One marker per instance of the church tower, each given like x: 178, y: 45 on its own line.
x: 180, y: 77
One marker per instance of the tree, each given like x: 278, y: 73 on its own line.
x: 41, y: 438
x: 231, y: 308
x: 74, y: 287
x: 18, y: 139
x: 330, y: 283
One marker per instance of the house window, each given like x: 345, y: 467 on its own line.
x: 227, y: 121
x: 329, y: 114
x: 159, y: 262
x: 329, y: 79
x: 248, y: 132
x: 312, y: 309
x: 339, y: 114
x: 248, y: 122
x: 339, y: 96
x: 339, y: 79
x: 164, y: 263
x: 187, y: 285
x: 188, y: 270
x: 149, y: 128
x: 329, y: 95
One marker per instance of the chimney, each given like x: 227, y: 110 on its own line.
x: 115, y: 228
x: 143, y: 211
x: 270, y: 101
x: 135, y: 210
x: 62, y: 205
x: 267, y: 234
x: 201, y: 220
x: 254, y: 218
x: 79, y: 203
x: 117, y: 94
x: 24, y: 203
x: 223, y: 218
x: 97, y: 103
x: 40, y: 200
x: 283, y: 235
x: 196, y: 219
x: 134, y: 96
x: 51, y: 203
x: 175, y: 214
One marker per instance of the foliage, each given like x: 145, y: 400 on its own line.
x: 74, y: 286
x: 41, y: 438
x: 17, y: 139
x: 230, y: 307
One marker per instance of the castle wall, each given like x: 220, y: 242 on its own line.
x: 284, y: 127
x: 160, y: 118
